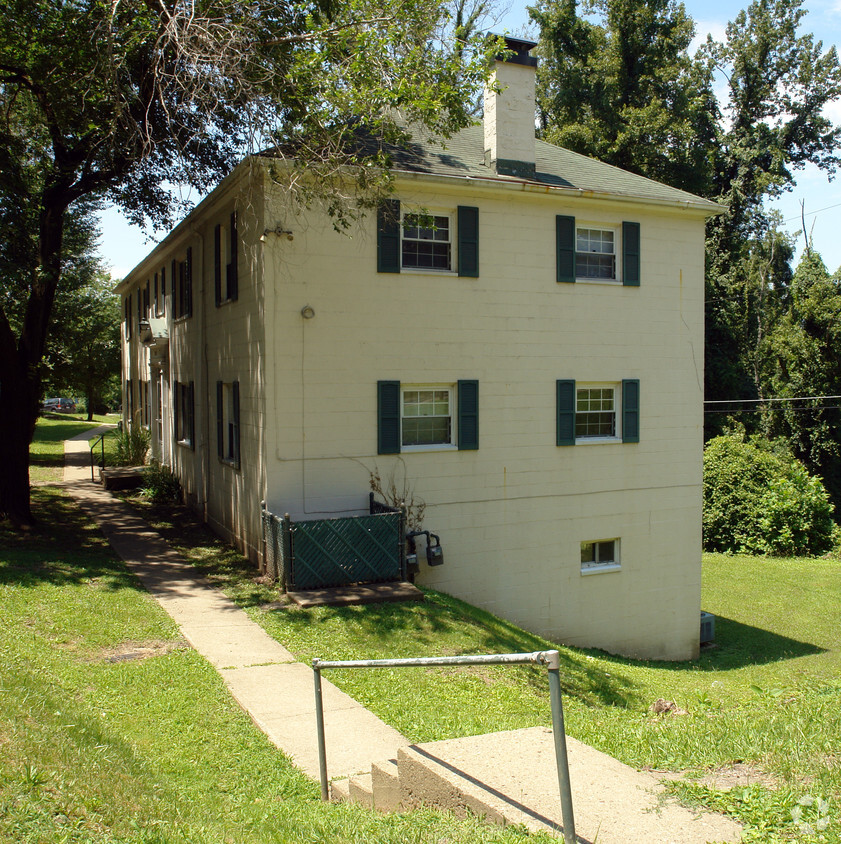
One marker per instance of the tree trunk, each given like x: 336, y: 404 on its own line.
x: 19, y: 396
x: 20, y: 365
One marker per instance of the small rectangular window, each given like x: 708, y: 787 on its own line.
x: 595, y: 412
x: 599, y: 553
x: 426, y: 242
x: 595, y: 253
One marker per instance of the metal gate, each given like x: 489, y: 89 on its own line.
x: 319, y: 553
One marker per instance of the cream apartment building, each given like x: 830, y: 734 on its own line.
x: 518, y: 334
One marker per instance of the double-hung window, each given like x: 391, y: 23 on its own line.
x: 595, y: 254
x: 426, y: 416
x: 607, y: 412
x: 227, y: 422
x: 591, y: 252
x: 427, y: 241
x: 418, y: 417
x: 184, y: 407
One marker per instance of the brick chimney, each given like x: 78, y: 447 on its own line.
x: 509, y: 114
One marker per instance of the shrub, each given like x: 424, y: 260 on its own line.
x: 132, y: 446
x: 160, y: 485
x: 759, y: 499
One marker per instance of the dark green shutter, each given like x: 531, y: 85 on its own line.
x: 163, y: 286
x: 565, y: 412
x: 220, y: 420
x: 565, y: 249
x: 217, y: 264
x: 468, y: 415
x: 388, y: 237
x: 233, y: 267
x: 631, y: 254
x: 631, y: 410
x: 176, y: 311
x: 188, y: 282
x: 468, y: 241
x: 235, y: 399
x: 388, y: 417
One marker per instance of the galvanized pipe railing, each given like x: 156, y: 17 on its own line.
x: 99, y: 441
x: 550, y: 659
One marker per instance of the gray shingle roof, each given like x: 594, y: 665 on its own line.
x: 463, y: 155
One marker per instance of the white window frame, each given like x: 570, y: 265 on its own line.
x: 616, y: 278
x: 597, y: 565
x: 450, y: 389
x: 451, y: 241
x: 616, y: 436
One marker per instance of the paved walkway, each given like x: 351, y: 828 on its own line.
x: 273, y: 688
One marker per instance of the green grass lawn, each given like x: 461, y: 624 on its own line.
x: 155, y: 750
x: 46, y: 453
x: 100, y: 747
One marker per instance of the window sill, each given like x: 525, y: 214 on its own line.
x: 410, y: 449
x: 223, y: 302
x: 600, y: 568
x: 428, y: 271
x: 182, y: 318
x: 597, y: 440
x: 184, y: 444
x: 613, y: 282
x: 226, y: 461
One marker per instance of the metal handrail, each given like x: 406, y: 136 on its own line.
x: 100, y: 440
x: 552, y: 661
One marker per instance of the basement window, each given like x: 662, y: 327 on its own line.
x: 599, y: 555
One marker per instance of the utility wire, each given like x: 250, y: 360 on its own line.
x: 763, y: 401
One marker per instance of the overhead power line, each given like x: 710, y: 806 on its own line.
x: 763, y: 401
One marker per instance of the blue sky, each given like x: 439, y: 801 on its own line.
x: 123, y: 246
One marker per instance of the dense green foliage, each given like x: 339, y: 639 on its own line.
x: 121, y: 101
x: 761, y: 500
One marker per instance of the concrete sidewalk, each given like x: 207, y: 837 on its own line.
x: 271, y: 686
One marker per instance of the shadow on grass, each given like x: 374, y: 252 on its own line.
x: 738, y: 645
x: 65, y: 547
x: 444, y: 626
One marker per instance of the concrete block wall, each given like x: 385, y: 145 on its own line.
x: 511, y: 515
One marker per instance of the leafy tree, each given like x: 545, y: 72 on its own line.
x: 778, y: 83
x: 83, y: 350
x: 625, y: 89
x: 803, y: 358
x: 119, y: 100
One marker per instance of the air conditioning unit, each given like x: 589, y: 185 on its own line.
x: 707, y: 627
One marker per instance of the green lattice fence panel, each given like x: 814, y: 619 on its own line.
x: 356, y: 549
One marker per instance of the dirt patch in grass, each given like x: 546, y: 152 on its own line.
x: 736, y: 775
x: 131, y: 651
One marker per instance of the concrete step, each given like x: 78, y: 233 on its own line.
x: 385, y: 783
x: 340, y: 791
x: 360, y: 790
x: 511, y: 778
